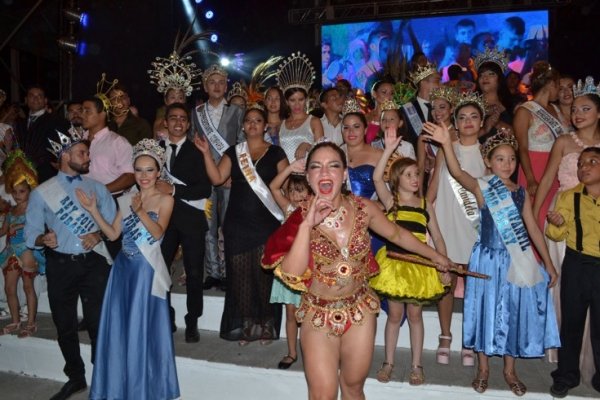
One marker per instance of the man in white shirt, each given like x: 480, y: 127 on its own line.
x: 331, y: 103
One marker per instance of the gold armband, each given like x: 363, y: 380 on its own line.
x: 294, y: 281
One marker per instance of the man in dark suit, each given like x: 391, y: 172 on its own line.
x: 190, y: 187
x: 33, y: 132
x: 221, y: 124
x: 418, y: 111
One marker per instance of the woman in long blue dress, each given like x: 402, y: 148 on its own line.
x: 134, y: 355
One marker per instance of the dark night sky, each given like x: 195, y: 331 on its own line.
x: 125, y: 36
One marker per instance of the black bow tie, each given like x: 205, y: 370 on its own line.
x: 73, y: 178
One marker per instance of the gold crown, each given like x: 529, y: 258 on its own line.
x: 212, y: 70
x: 237, y: 90
x: 260, y: 75
x: 151, y: 148
x: 500, y: 58
x: 19, y: 169
x: 256, y: 106
x: 174, y: 72
x: 422, y: 72
x: 504, y: 136
x: 581, y: 89
x: 389, y: 105
x: 295, y: 72
x: 473, y: 98
x: 447, y: 93
x: 65, y: 142
x: 103, y: 87
x: 351, y: 106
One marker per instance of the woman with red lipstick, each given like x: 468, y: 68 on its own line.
x: 252, y: 215
x: 323, y: 250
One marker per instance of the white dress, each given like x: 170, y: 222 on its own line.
x: 458, y: 233
x: 290, y: 139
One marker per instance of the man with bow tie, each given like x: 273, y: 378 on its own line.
x: 78, y: 263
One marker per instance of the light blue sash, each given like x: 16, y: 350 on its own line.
x: 524, y: 270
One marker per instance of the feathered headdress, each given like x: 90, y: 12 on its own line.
x: 260, y: 75
x: 18, y: 170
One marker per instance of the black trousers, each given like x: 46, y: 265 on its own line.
x: 579, y: 290
x: 193, y: 245
x: 69, y: 278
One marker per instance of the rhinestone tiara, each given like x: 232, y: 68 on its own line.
x: 151, y: 148
x: 447, y: 93
x: 500, y: 58
x: 66, y: 141
x: 212, y: 70
x: 504, y: 136
x: 587, y: 87
x: 296, y: 71
x: 351, y: 106
x: 473, y: 98
x: 237, y: 90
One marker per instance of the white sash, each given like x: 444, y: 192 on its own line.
x: 553, y: 124
x: 210, y: 131
x: 69, y: 212
x: 466, y: 200
x: 148, y: 246
x: 413, y: 117
x: 524, y: 270
x: 197, y: 204
x: 254, y: 180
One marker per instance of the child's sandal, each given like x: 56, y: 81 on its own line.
x: 442, y: 355
x: 29, y: 330
x: 417, y: 376
x: 10, y: 328
x: 385, y: 372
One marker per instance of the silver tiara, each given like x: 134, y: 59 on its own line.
x: 65, y: 142
x: 581, y: 89
x: 151, y: 148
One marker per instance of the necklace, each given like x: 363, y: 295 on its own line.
x: 335, y: 221
x: 580, y: 143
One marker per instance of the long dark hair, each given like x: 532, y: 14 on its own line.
x: 503, y: 93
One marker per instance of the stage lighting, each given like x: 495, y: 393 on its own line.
x: 76, y: 16
x: 209, y: 14
x: 70, y: 45
x: 225, y: 61
x: 214, y: 37
x: 198, y: 1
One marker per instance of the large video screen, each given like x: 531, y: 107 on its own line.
x: 359, y: 51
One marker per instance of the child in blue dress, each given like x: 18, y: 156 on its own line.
x: 511, y: 315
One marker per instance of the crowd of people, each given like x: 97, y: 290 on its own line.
x: 341, y: 212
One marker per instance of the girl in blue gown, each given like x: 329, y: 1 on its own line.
x: 511, y: 314
x: 134, y: 353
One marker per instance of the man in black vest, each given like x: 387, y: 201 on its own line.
x: 190, y: 187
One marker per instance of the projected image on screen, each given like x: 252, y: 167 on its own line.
x: 359, y: 51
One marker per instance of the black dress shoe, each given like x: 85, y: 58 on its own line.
x: 70, y: 388
x: 211, y: 282
x: 192, y: 335
x: 559, y: 390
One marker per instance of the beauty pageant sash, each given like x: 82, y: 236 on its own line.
x: 71, y: 214
x: 148, y: 246
x: 254, y: 180
x: 552, y: 123
x: 466, y: 200
x: 210, y: 131
x: 413, y: 117
x: 197, y: 204
x: 524, y: 269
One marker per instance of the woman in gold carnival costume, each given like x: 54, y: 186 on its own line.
x: 323, y: 250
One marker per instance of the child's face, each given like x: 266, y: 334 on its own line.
x: 390, y: 119
x: 584, y: 112
x: 20, y: 193
x: 502, y: 161
x: 588, y: 168
x: 297, y: 194
x: 409, y: 179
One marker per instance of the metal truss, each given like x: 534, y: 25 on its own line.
x: 402, y: 8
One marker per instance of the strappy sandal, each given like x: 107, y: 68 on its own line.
x: 468, y: 357
x: 480, y: 384
x: 10, y: 328
x: 417, y: 376
x: 442, y: 355
x: 286, y: 362
x: 29, y: 330
x: 515, y: 385
x: 385, y: 372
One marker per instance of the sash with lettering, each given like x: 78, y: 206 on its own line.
x: 524, y: 270
x: 148, y: 246
x: 552, y: 123
x: 210, y: 131
x: 71, y: 214
x: 254, y: 180
x: 413, y: 117
x: 466, y: 200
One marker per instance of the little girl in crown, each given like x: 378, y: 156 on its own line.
x: 406, y: 285
x: 511, y: 315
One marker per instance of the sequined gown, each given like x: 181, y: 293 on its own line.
x: 361, y: 180
x: 135, y: 358
x: 499, y: 317
x: 290, y: 139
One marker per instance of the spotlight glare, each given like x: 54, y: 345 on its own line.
x: 85, y: 19
x: 198, y: 1
x: 214, y: 37
x: 209, y: 14
x: 225, y: 61
x: 75, y: 15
